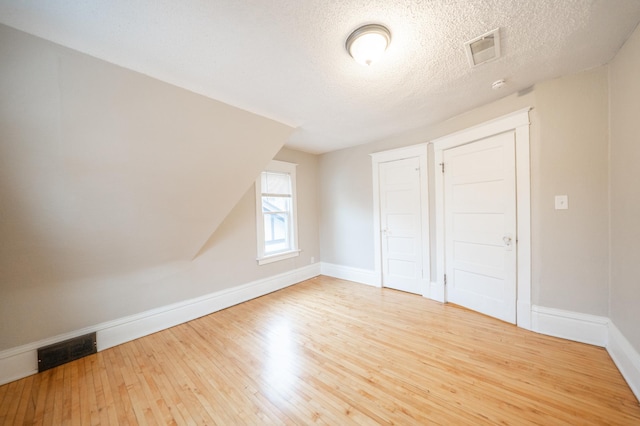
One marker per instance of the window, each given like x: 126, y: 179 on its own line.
x: 276, y: 213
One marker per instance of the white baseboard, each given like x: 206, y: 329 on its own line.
x: 362, y: 276
x: 626, y: 358
x: 19, y: 362
x: 569, y: 325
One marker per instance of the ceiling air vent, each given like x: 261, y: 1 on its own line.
x: 484, y: 48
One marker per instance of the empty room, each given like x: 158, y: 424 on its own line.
x: 318, y: 212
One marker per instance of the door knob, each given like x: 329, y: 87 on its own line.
x: 508, y: 241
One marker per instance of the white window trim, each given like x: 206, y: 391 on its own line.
x: 279, y: 167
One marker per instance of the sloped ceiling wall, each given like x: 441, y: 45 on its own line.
x: 106, y: 172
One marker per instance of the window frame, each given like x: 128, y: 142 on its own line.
x: 276, y: 166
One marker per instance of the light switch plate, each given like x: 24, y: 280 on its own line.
x: 562, y: 202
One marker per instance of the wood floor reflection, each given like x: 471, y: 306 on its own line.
x: 328, y: 351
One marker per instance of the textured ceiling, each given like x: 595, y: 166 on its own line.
x: 285, y: 59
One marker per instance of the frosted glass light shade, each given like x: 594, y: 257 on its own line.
x: 368, y: 43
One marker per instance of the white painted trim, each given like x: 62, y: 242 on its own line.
x: 400, y: 153
x: 290, y: 169
x: 377, y: 228
x: 438, y: 210
x: 420, y: 151
x: 523, y: 314
x: 18, y: 365
x: 517, y: 122
x: 523, y: 241
x: 278, y: 257
x: 626, y: 358
x: 488, y: 128
x: 362, y: 276
x: 584, y: 328
x: 19, y: 362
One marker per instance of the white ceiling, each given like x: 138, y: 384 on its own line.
x: 285, y: 59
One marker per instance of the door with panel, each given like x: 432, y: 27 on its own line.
x: 401, y: 212
x: 480, y: 226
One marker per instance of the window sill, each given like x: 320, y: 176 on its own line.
x: 276, y: 257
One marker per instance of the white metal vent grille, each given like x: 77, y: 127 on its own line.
x: 484, y: 48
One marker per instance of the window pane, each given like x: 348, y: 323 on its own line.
x: 276, y: 233
x: 276, y: 204
x: 276, y: 183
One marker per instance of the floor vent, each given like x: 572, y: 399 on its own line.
x: 67, y: 351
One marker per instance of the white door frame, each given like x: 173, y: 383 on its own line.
x: 419, y: 151
x: 517, y: 122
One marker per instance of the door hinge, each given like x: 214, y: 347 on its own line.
x: 442, y: 165
x: 445, y: 279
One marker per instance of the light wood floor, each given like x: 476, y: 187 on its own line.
x: 328, y: 351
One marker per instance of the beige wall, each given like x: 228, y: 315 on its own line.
x: 229, y: 257
x: 568, y: 156
x: 624, y: 79
x: 111, y: 182
x: 570, y: 247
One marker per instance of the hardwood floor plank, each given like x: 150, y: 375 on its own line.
x: 151, y: 391
x: 41, y: 392
x: 3, y: 394
x: 245, y: 386
x: 196, y: 407
x: 53, y: 405
x: 142, y: 406
x: 167, y: 395
x: 243, y: 390
x: 9, y: 408
x: 118, y: 389
x: 328, y: 351
x: 24, y: 402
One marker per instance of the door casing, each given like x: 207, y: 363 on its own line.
x: 517, y: 122
x: 419, y: 151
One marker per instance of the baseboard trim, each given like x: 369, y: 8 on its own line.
x: 362, y: 276
x: 584, y: 328
x: 20, y: 362
x: 626, y: 358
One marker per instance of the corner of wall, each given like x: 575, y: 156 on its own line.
x: 626, y: 358
x: 592, y: 330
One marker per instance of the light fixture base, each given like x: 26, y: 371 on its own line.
x: 367, y: 43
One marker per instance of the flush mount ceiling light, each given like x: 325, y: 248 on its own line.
x: 367, y: 44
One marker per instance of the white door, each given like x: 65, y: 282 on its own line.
x: 401, y: 224
x: 480, y: 226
